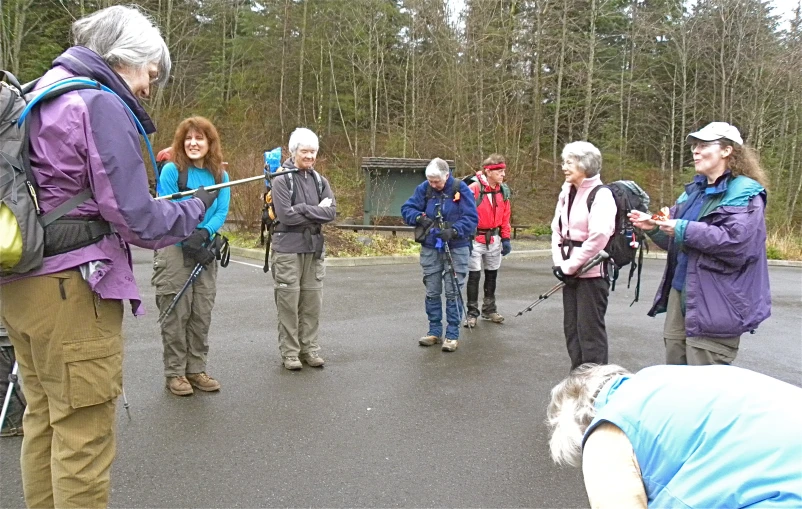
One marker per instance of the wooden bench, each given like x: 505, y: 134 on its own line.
x: 394, y: 229
x: 516, y: 227
x: 377, y: 228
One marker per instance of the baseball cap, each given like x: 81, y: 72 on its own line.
x: 716, y: 131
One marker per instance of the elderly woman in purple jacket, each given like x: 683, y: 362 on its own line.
x: 716, y: 283
x: 65, y: 318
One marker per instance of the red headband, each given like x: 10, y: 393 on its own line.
x: 499, y: 166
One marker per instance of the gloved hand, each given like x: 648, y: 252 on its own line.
x: 568, y: 279
x: 207, y: 197
x: 448, y: 234
x: 196, y: 241
x: 506, y: 247
x: 424, y: 221
x: 204, y: 256
x: 325, y: 202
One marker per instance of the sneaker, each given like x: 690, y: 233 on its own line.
x: 494, y: 317
x: 449, y: 345
x: 313, y: 359
x: 292, y: 363
x: 179, y: 385
x: 428, y: 340
x: 470, y: 322
x: 203, y: 382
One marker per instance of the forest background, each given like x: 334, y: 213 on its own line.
x: 412, y: 78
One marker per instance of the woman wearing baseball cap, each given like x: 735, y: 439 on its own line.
x: 716, y: 282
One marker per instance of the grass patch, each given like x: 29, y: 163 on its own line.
x: 341, y: 243
x: 783, y: 246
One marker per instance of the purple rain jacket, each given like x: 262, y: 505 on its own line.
x: 727, y: 282
x: 87, y: 138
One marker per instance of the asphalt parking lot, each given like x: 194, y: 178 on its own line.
x: 386, y: 423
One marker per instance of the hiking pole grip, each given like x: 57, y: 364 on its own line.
x: 599, y: 258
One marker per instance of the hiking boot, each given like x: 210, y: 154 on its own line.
x: 12, y: 432
x: 292, y: 363
x: 470, y: 322
x: 179, y: 385
x: 428, y: 340
x: 203, y: 382
x: 313, y: 359
x: 449, y: 345
x: 494, y: 317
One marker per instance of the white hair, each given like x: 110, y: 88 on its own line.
x: 586, y: 155
x: 572, y: 409
x: 303, y: 137
x: 437, y: 168
x: 124, y: 36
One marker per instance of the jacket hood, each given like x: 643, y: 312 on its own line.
x: 82, y: 61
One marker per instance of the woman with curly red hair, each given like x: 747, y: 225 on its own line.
x: 197, y: 161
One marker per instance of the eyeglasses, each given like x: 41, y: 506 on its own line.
x: 700, y: 145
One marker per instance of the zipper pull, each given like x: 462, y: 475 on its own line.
x: 35, y: 198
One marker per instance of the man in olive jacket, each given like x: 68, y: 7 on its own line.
x: 303, y: 202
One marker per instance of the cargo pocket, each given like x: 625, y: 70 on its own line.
x: 94, y: 371
x: 320, y: 269
x: 285, y: 270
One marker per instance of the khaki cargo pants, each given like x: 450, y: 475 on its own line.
x: 68, y: 344
x: 185, y: 331
x: 298, y: 290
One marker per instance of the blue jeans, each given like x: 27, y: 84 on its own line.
x: 436, y: 269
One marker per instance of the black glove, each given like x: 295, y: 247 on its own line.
x: 448, y: 234
x: 204, y: 256
x: 569, y: 280
x: 207, y: 197
x: 506, y: 247
x: 197, y: 240
x: 424, y: 221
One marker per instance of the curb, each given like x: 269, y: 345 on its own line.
x: 358, y: 261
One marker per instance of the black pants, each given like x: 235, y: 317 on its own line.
x: 584, y: 307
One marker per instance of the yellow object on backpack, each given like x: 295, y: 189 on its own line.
x: 10, y: 239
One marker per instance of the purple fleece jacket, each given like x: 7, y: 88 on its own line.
x: 87, y: 138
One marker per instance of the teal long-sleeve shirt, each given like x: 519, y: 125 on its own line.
x: 197, y: 177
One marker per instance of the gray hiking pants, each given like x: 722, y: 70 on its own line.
x: 298, y: 290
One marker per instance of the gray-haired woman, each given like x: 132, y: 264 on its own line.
x: 679, y: 436
x: 580, y: 230
x: 65, y: 317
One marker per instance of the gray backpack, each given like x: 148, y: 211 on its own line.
x: 26, y: 234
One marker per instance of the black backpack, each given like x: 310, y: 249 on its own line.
x: 269, y: 216
x: 627, y: 242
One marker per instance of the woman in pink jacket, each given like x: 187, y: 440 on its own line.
x: 579, y: 232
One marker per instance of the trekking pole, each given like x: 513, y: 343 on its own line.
x: 600, y: 257
x: 12, y: 379
x: 453, y: 271
x: 192, y: 277
x: 266, y: 176
x: 126, y: 405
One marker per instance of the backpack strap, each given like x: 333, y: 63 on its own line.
x: 183, y: 177
x: 319, y: 182
x: 592, y: 195
x: 65, y: 207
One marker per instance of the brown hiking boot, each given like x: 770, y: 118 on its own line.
x: 313, y: 359
x: 179, y: 385
x: 292, y: 363
x: 449, y: 345
x: 203, y: 382
x: 428, y: 340
x: 494, y: 317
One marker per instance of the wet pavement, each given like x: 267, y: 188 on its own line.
x: 386, y: 423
